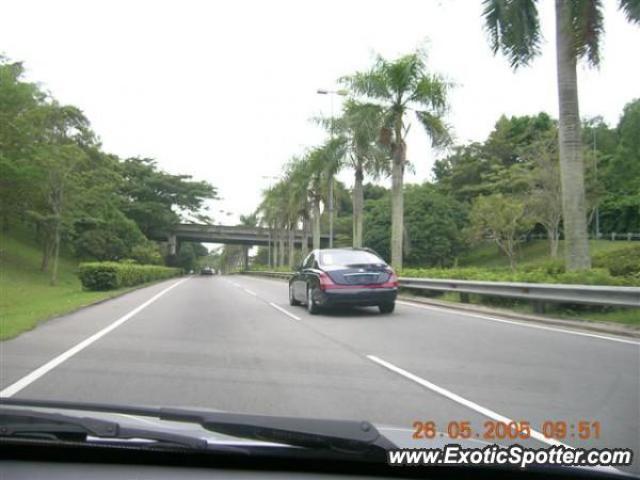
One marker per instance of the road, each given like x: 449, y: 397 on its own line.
x: 234, y: 343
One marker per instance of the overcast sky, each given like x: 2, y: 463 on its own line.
x: 224, y: 91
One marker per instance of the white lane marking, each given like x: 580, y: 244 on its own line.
x: 289, y: 314
x: 522, y: 324
x: 51, y: 364
x: 250, y: 292
x: 235, y: 284
x: 458, y: 399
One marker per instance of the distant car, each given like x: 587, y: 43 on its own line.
x: 206, y: 271
x: 341, y: 277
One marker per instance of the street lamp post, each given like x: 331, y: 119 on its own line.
x: 595, y: 171
x: 331, y: 93
x: 270, y: 178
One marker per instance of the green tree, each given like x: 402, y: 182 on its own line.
x: 620, y: 174
x: 434, y: 225
x: 360, y: 127
x: 152, y: 198
x: 502, y: 219
x: 495, y: 165
x: 19, y: 137
x: 61, y: 158
x: 545, y: 196
x: 514, y: 29
x: 400, y: 86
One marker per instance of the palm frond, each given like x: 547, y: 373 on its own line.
x: 514, y: 29
x: 431, y: 90
x: 403, y: 73
x: 435, y: 127
x: 373, y: 83
x: 631, y: 10
x: 587, y: 28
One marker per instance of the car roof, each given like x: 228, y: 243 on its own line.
x: 345, y: 249
x: 349, y: 249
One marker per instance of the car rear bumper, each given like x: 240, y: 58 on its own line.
x: 356, y: 296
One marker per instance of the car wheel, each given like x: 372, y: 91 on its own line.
x: 312, y: 306
x: 292, y: 301
x: 387, y: 307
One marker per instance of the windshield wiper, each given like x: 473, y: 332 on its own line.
x: 351, y: 437
x: 30, y: 424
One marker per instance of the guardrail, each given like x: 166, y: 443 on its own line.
x: 537, y: 293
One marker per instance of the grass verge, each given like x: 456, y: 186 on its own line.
x: 26, y: 298
x: 626, y: 316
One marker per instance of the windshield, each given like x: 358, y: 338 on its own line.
x: 424, y: 215
x: 345, y: 257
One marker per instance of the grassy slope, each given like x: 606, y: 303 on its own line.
x: 26, y: 297
x: 537, y: 251
x: 488, y: 256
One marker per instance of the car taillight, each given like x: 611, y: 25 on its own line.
x: 326, y: 282
x: 392, y: 281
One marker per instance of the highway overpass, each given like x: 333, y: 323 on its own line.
x: 238, y: 235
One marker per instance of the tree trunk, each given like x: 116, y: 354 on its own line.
x: 397, y: 198
x: 281, y: 248
x: 358, y: 206
x: 554, y: 236
x: 274, y: 252
x: 245, y: 257
x: 47, y: 249
x: 304, y: 249
x: 315, y: 227
x: 292, y: 248
x: 570, y: 147
x: 56, y: 254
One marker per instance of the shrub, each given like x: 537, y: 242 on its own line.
x: 620, y: 263
x: 110, y: 275
x: 544, y: 274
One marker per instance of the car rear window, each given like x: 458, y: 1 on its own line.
x: 346, y: 257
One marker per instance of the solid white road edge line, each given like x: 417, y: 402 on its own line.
x: 289, y: 314
x: 521, y: 324
x: 458, y: 399
x: 51, y: 364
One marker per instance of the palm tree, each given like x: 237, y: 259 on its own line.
x: 323, y: 162
x: 250, y: 220
x: 356, y: 145
x: 399, y: 86
x: 360, y: 125
x: 514, y: 29
x: 298, y: 177
x: 270, y: 212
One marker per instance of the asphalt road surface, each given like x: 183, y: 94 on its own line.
x: 233, y: 343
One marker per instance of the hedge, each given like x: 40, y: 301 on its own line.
x: 621, y: 262
x: 111, y: 275
x: 595, y: 276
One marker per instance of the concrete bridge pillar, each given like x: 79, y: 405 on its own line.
x: 173, y: 245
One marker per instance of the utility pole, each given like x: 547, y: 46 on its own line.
x: 595, y: 171
x: 331, y: 93
x: 270, y: 178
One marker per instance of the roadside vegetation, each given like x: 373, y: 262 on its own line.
x: 564, y: 180
x: 533, y: 175
x: 26, y: 295
x: 63, y: 199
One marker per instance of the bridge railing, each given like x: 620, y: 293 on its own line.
x: 537, y: 293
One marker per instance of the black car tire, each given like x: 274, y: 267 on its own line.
x: 312, y: 306
x: 292, y: 301
x: 387, y: 307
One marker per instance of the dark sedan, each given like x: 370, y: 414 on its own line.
x: 206, y: 271
x: 343, y: 277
